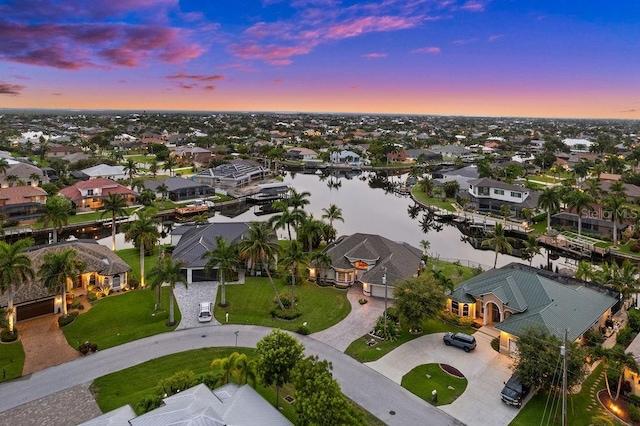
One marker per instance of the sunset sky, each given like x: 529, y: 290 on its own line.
x: 543, y: 58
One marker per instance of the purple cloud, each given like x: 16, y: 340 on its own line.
x: 10, y: 89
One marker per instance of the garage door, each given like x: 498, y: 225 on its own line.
x: 35, y: 309
x: 378, y: 291
x: 198, y: 275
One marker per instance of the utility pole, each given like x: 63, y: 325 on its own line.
x: 563, y: 352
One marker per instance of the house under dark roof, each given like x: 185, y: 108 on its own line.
x: 180, y: 189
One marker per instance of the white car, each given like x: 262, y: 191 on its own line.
x: 206, y: 312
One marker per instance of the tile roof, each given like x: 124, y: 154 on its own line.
x: 198, y: 239
x: 108, y: 187
x: 537, y: 300
x: 173, y: 184
x: 21, y: 194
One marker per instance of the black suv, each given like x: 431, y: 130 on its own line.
x: 461, y: 340
x: 514, y: 392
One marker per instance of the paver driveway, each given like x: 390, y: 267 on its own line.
x: 189, y: 302
x: 484, y: 369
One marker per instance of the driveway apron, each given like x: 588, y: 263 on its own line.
x: 44, y: 344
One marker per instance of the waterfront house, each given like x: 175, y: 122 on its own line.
x: 345, y: 157
x: 89, y: 194
x: 369, y: 260
x: 105, y: 171
x: 22, y: 203
x: 236, y: 174
x: 193, y: 241
x: 301, y: 154
x: 592, y: 223
x: 102, y: 267
x: 516, y: 297
x: 423, y: 155
x: 179, y: 189
x: 488, y: 195
x: 450, y: 152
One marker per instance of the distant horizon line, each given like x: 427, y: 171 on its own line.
x: 144, y: 111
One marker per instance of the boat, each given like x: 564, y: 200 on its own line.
x: 191, y: 209
x: 318, y: 172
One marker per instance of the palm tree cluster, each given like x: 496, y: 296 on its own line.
x: 621, y: 278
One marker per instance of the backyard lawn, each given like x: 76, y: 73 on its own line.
x: 132, y: 257
x: 443, y: 203
x: 457, y: 272
x: 11, y: 360
x: 361, y: 351
x: 121, y: 318
x: 423, y: 379
x: 250, y: 303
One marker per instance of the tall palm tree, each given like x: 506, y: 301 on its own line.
x: 298, y: 200
x: 145, y: 235
x: 114, y: 205
x: 624, y: 361
x: 618, y: 189
x: 259, y: 247
x: 168, y: 271
x: 57, y: 211
x: 585, y: 271
x: 15, y: 269
x: 580, y: 201
x: 57, y: 269
x: 225, y: 258
x: 310, y: 230
x: 35, y: 178
x: 153, y: 167
x: 169, y: 164
x: 426, y: 245
x: 163, y: 190
x: 131, y: 168
x: 286, y: 218
x: 244, y: 370
x: 332, y: 213
x: 293, y: 256
x: 531, y: 248
x: 605, y: 355
x: 549, y: 200
x: 499, y: 241
x: 320, y: 260
x: 594, y: 188
x: 615, y: 206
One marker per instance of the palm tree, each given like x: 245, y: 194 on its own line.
x: 624, y: 361
x: 226, y: 365
x: 168, y: 271
x: 225, y: 258
x: 15, y: 269
x: 115, y: 205
x: 594, y: 188
x: 615, y: 205
x: 321, y: 260
x: 427, y: 185
x: 170, y: 164
x: 145, y: 235
x: 57, y: 269
x: 549, y: 200
x: 35, y: 178
x: 57, y: 211
x: 286, y: 218
x: 153, y: 167
x: 605, y: 355
x: 332, y: 213
x: 426, y: 245
x: 298, y: 200
x: 131, y: 168
x: 580, y: 201
x: 505, y: 211
x: 293, y: 256
x: 309, y: 231
x: 260, y: 246
x: 163, y: 190
x: 499, y: 241
x: 4, y: 166
x: 244, y: 370
x: 12, y: 179
x: 585, y: 271
x: 531, y: 248
x: 618, y: 189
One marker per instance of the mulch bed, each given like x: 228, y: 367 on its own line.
x: 452, y: 371
x: 622, y: 413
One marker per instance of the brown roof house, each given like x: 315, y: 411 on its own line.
x: 23, y: 203
x: 371, y: 260
x: 102, y: 267
x: 88, y: 194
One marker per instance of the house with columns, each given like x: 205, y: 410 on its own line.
x: 516, y: 297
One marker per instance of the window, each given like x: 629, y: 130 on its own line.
x: 483, y: 190
x: 516, y: 194
x: 454, y: 307
x: 498, y: 191
x: 89, y: 192
x: 465, y: 310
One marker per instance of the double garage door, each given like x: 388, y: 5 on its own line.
x: 36, y: 309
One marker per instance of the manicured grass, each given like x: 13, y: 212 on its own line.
x: 457, y: 273
x: 121, y: 318
x: 359, y: 350
x: 423, y: 379
x: 132, y: 257
x: 578, y: 413
x: 11, y: 360
x: 147, y: 159
x: 251, y: 302
x: 443, y: 203
x: 86, y: 217
x: 129, y: 386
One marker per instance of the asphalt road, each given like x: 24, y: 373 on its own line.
x: 368, y: 388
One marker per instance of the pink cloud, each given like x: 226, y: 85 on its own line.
x: 473, y: 6
x: 431, y: 49
x: 495, y: 37
x: 10, y: 89
x: 273, y: 54
x: 464, y: 41
x: 56, y: 94
x: 277, y: 80
x: 209, y: 87
x: 375, y: 55
x: 368, y: 24
x: 196, y: 77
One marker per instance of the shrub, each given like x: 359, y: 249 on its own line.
x: 302, y: 330
x: 393, y: 315
x: 62, y: 321
x: 362, y: 301
x: 593, y: 337
x: 285, y: 314
x: 625, y: 336
x: 633, y: 316
x: 180, y: 381
x: 210, y: 379
x: 285, y: 298
x: 77, y: 303
x: 7, y: 336
x: 148, y: 403
x: 87, y: 347
x: 495, y: 344
x: 92, y: 296
x: 635, y: 247
x: 449, y: 317
x: 634, y: 412
x: 466, y: 321
x: 539, y: 218
x: 390, y: 334
x: 133, y: 282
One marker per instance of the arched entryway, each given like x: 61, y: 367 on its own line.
x: 492, y: 314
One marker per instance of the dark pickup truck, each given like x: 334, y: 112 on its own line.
x: 514, y: 391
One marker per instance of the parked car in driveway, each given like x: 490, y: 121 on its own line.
x: 206, y: 312
x: 514, y: 392
x: 461, y: 340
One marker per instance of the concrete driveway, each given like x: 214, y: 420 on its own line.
x: 485, y: 370
x: 189, y: 302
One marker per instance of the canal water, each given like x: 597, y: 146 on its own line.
x: 368, y: 208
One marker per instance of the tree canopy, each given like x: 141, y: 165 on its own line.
x: 278, y: 353
x: 418, y: 298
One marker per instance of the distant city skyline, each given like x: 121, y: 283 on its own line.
x: 434, y: 57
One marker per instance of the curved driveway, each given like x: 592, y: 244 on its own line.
x: 484, y: 369
x: 368, y: 388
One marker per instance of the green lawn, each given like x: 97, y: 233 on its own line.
x: 85, y: 217
x: 121, y: 318
x: 423, y: 379
x: 132, y: 257
x: 11, y: 360
x: 250, y: 303
x: 359, y: 350
x: 578, y: 411
x: 140, y: 158
x: 129, y: 386
x: 443, y: 203
x: 457, y: 273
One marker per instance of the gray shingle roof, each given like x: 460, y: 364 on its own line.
x: 538, y: 301
x: 200, y: 239
x: 493, y: 183
x: 173, y: 184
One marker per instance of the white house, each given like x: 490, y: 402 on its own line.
x: 578, y: 145
x: 345, y: 156
x: 106, y: 171
x: 490, y: 195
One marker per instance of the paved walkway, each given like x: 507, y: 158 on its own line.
x: 359, y: 322
x: 371, y: 390
x: 484, y: 368
x: 189, y: 299
x: 44, y: 344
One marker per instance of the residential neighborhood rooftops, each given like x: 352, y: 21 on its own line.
x: 20, y: 194
x: 198, y: 239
